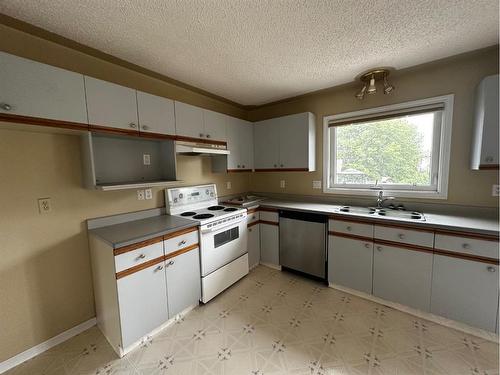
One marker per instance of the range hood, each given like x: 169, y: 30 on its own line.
x: 195, y: 149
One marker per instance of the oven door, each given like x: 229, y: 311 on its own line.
x: 221, y: 246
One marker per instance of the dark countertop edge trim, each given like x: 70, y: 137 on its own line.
x: 421, y: 224
x: 149, y: 236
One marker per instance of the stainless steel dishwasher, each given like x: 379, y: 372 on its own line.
x: 303, y: 242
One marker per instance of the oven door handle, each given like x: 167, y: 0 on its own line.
x: 218, y: 228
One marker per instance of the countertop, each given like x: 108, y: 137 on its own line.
x: 119, y: 235
x: 487, y: 226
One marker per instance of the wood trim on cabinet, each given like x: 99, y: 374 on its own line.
x: 137, y: 245
x: 252, y: 210
x: 269, y: 222
x: 238, y: 170
x: 180, y: 232
x: 181, y: 251
x: 351, y: 236
x: 253, y: 223
x: 43, y: 122
x: 351, y: 219
x: 485, y: 167
x: 405, y: 226
x: 111, y: 130
x: 478, y: 236
x: 406, y: 246
x: 282, y: 170
x: 199, y: 140
x: 139, y: 267
x: 464, y: 256
x: 156, y: 135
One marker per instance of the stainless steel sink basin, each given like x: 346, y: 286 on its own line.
x: 383, y: 213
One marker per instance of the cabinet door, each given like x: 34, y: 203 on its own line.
x: 183, y: 281
x: 350, y: 263
x: 253, y: 245
x: 189, y: 120
x: 214, y: 125
x: 246, y: 144
x: 294, y: 141
x: 402, y: 275
x: 156, y: 114
x: 489, y: 147
x: 234, y: 159
x: 29, y: 88
x: 466, y: 291
x: 266, y: 144
x: 111, y: 105
x: 142, y: 297
x: 269, y: 244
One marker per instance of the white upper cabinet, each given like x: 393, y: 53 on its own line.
x: 29, y: 88
x: 240, y: 144
x: 156, y: 114
x: 286, y: 143
x: 111, y: 105
x: 485, y: 143
x: 214, y: 125
x: 189, y: 120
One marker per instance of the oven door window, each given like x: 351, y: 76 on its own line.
x: 226, y: 236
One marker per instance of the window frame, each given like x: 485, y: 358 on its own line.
x: 440, y: 191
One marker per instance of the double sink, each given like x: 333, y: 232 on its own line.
x: 392, y: 213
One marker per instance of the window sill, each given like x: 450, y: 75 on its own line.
x: 396, y: 193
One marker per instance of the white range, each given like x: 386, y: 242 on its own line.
x: 223, y: 235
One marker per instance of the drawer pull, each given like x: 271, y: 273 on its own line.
x: 142, y: 256
x: 465, y: 246
x: 183, y: 242
x: 401, y: 236
x: 253, y: 217
x: 132, y: 125
x: 367, y: 245
x: 249, y: 229
x: 349, y: 228
x: 379, y: 248
x: 171, y: 263
x: 491, y: 269
x: 159, y: 268
x: 6, y: 107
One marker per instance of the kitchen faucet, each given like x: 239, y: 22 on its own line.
x: 381, y: 199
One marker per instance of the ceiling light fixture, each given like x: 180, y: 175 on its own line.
x: 369, y: 80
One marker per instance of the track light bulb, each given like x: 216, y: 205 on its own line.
x: 372, y: 89
x: 361, y: 94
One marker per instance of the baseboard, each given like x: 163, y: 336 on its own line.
x: 270, y: 265
x: 46, y: 345
x: 490, y: 336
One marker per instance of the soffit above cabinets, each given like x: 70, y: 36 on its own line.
x: 255, y: 52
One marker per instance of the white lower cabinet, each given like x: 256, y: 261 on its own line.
x: 402, y: 275
x: 183, y: 281
x: 466, y: 291
x: 350, y: 263
x: 269, y: 244
x: 253, y: 245
x: 142, y: 297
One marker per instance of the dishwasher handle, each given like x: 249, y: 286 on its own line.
x: 304, y: 216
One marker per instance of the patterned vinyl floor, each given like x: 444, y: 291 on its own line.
x: 273, y: 322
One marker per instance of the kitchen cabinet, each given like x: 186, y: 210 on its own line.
x: 253, y: 245
x: 111, y: 105
x: 402, y: 275
x: 466, y: 291
x: 189, y: 120
x: 285, y: 143
x: 350, y: 263
x: 214, y: 125
x: 29, y: 88
x: 156, y: 114
x: 240, y: 144
x: 485, y: 143
x: 269, y: 238
x: 183, y: 281
x: 142, y: 297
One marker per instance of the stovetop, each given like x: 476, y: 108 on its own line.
x: 207, y: 214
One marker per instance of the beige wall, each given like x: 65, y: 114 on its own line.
x: 458, y: 75
x: 45, y: 278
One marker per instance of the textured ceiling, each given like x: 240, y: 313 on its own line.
x: 257, y: 51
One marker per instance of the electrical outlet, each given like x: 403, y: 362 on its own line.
x: 44, y: 205
x: 146, y: 159
x: 228, y: 185
x: 495, y: 191
x: 140, y: 195
x: 148, y: 193
x: 282, y: 184
x: 317, y: 184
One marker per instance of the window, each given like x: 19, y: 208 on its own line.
x: 402, y: 148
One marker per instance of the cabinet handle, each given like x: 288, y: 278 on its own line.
x: 171, y: 263
x: 201, y: 135
x: 489, y: 159
x: 142, y: 256
x: 253, y: 217
x: 132, y: 125
x: 145, y: 127
x: 491, y: 269
x: 401, y: 236
x: 243, y: 166
x: 249, y: 229
x: 367, y: 245
x: 6, y: 107
x: 379, y: 248
x: 281, y: 165
x: 159, y: 268
x: 465, y: 246
x: 275, y: 165
x: 183, y: 242
x: 208, y: 135
x: 349, y: 228
x: 238, y: 166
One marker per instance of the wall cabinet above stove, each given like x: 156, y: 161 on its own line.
x: 285, y: 143
x: 196, y: 122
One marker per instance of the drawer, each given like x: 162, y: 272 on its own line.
x: 269, y: 216
x: 253, y: 217
x: 465, y: 245
x: 350, y: 227
x: 181, y: 241
x: 407, y: 236
x: 138, y: 256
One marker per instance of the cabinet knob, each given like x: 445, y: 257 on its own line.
x: 201, y: 135
x: 132, y: 125
x: 208, y: 135
x: 489, y: 159
x: 171, y: 263
x: 249, y: 229
x: 183, y: 242
x: 367, y: 245
x: 253, y: 217
x: 142, y: 256
x: 401, y: 236
x: 275, y: 165
x: 491, y: 269
x: 465, y: 246
x: 243, y: 166
x: 238, y: 166
x: 159, y: 268
x: 281, y: 165
x: 145, y: 127
x: 6, y: 107
x: 349, y: 228
x: 379, y: 248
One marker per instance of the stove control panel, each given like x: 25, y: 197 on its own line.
x: 190, y: 196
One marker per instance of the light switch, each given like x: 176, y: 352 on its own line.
x: 495, y: 190
x: 228, y: 185
x: 282, y: 184
x: 148, y: 193
x: 146, y: 158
